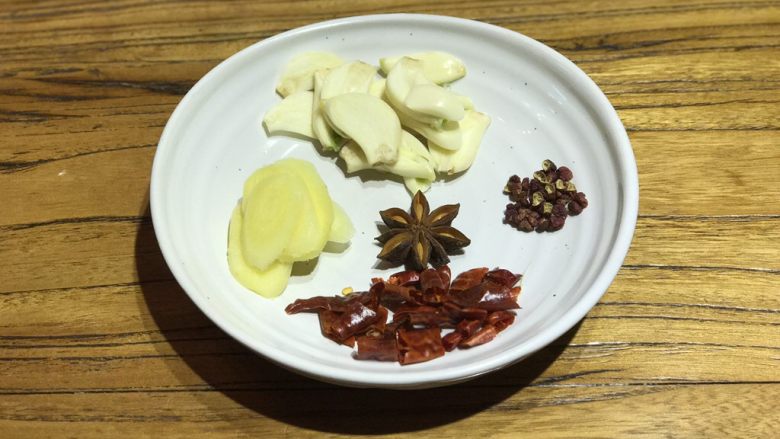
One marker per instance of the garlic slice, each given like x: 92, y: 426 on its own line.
x: 466, y: 101
x: 406, y: 74
x: 321, y: 130
x: 435, y: 101
x: 449, y: 136
x: 353, y: 77
x: 377, y: 88
x: 414, y: 159
x: 353, y: 157
x: 298, y: 74
x: 473, y: 128
x: 369, y: 121
x: 439, y: 67
x: 291, y: 115
x: 411, y: 93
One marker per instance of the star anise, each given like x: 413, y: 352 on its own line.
x: 420, y: 236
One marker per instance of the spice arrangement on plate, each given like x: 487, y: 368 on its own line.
x: 286, y: 214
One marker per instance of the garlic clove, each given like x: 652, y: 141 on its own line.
x: 448, y: 136
x: 352, y: 77
x: 431, y: 99
x: 377, y: 88
x: 292, y: 115
x: 473, y: 128
x: 369, y: 121
x: 414, y: 159
x: 439, y: 67
x: 406, y: 74
x: 298, y: 74
x: 466, y: 102
x: 353, y: 157
x: 319, y: 127
x: 416, y: 97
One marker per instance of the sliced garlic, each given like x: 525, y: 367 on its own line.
x: 377, y: 88
x: 411, y: 93
x: 466, y: 101
x: 364, y: 118
x: 353, y: 77
x: 473, y: 128
x: 298, y: 74
x: 292, y: 115
x: 319, y: 127
x: 436, y: 101
x: 439, y: 67
x: 449, y: 136
x: 353, y: 157
x: 406, y: 74
x: 414, y: 159
x: 369, y: 121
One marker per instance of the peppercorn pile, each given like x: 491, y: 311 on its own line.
x: 543, y: 202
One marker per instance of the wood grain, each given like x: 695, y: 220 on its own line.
x: 98, y: 340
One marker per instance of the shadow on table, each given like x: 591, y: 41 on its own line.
x: 271, y: 391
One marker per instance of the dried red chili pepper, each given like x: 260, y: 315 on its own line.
x: 483, y: 335
x: 468, y: 279
x: 376, y: 348
x: 476, y: 304
x: 418, y: 345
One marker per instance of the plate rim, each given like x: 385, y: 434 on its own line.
x: 627, y: 218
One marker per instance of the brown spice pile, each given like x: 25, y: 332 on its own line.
x: 543, y: 203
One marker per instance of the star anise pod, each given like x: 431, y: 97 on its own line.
x: 420, y: 236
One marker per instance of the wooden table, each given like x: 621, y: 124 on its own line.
x: 98, y: 340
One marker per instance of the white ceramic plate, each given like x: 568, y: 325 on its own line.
x: 542, y: 106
